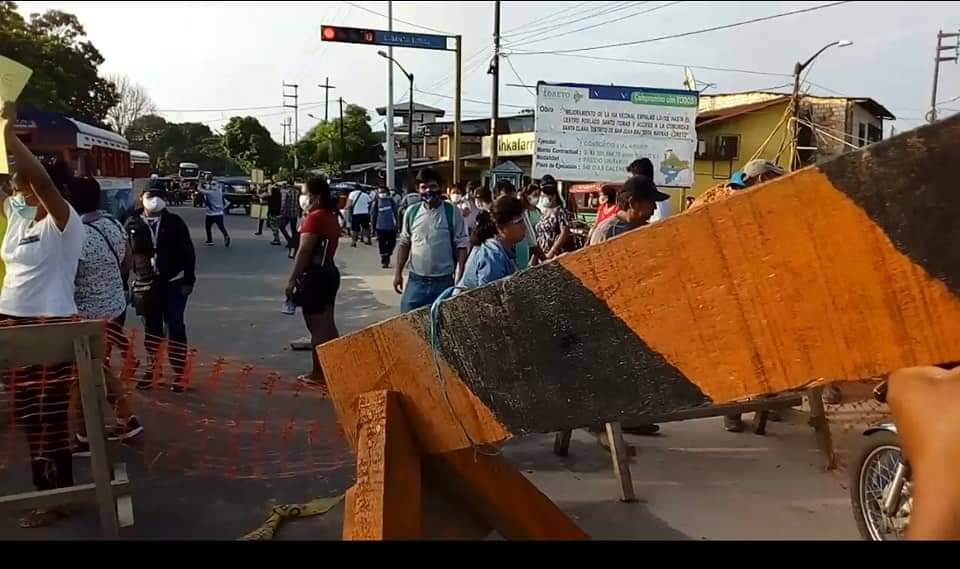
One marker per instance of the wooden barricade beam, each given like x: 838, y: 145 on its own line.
x: 846, y: 270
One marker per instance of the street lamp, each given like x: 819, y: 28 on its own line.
x: 409, y: 76
x: 797, y: 70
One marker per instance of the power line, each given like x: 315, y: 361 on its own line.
x: 664, y: 64
x: 227, y: 110
x: 690, y: 33
x: 374, y: 12
x: 545, y: 19
x: 598, y: 24
x: 577, y: 18
x: 478, y: 101
x: 517, y: 75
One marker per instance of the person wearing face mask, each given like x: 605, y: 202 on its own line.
x: 164, y: 266
x: 433, y: 239
x: 385, y: 220
x: 41, y: 249
x: 553, y: 231
x: 468, y: 206
x: 315, y: 279
x: 498, y: 233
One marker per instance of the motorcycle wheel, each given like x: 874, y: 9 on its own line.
x: 871, y: 473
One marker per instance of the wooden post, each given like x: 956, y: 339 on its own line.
x: 821, y: 427
x: 92, y: 392
x: 385, y: 503
x: 561, y: 443
x: 621, y: 461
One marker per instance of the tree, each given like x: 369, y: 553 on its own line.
x: 249, y: 144
x: 321, y: 144
x: 64, y: 64
x: 169, y: 144
x: 134, y: 103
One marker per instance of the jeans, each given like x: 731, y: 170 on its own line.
x: 290, y: 237
x: 218, y: 221
x: 168, y: 322
x: 387, y: 240
x: 422, y: 291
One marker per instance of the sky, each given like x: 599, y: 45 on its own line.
x: 198, y: 60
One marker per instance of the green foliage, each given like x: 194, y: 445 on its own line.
x: 64, y: 64
x: 320, y: 147
x: 169, y: 144
x: 249, y: 144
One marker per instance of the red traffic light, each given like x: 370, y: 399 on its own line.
x: 348, y: 35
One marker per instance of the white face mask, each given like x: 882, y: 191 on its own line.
x: 534, y: 200
x: 304, y: 202
x: 456, y: 197
x: 20, y: 207
x: 544, y: 202
x: 153, y: 204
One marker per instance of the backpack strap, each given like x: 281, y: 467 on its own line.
x: 448, y: 210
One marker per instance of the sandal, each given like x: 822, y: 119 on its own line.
x: 39, y: 518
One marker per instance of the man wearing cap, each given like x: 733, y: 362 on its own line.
x: 637, y: 202
x: 164, y: 265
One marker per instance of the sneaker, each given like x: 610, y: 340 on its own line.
x: 128, y: 430
x: 276, y: 243
x: 81, y: 446
x: 208, y: 243
x: 226, y: 242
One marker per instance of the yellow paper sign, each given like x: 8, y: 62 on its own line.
x: 13, y: 78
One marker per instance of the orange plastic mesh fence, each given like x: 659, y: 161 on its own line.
x: 202, y: 415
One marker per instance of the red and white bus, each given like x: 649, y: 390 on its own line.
x: 88, y: 150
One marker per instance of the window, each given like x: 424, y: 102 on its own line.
x: 721, y: 147
x: 874, y: 133
x: 861, y: 135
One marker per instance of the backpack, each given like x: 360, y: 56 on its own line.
x: 448, y: 210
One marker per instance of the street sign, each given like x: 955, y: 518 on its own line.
x: 382, y: 37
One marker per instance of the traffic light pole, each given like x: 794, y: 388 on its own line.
x: 455, y: 152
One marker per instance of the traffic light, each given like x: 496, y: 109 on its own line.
x: 348, y: 35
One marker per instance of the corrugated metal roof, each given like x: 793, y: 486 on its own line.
x: 728, y: 113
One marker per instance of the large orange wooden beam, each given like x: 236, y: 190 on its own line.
x: 843, y: 271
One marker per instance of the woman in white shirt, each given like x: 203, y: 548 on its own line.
x: 41, y: 249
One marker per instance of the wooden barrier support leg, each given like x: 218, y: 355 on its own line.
x: 385, y: 502
x: 92, y: 394
x: 818, y: 420
x: 502, y: 496
x: 621, y: 461
x: 561, y: 443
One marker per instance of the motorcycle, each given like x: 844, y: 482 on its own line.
x: 880, y: 488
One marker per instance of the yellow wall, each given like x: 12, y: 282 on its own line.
x: 753, y: 129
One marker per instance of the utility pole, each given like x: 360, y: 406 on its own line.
x: 495, y: 71
x: 326, y: 98
x: 932, y: 115
x: 296, y: 117
x: 391, y: 153
x: 455, y: 152
x: 343, y: 148
x: 286, y: 125
x: 410, y: 185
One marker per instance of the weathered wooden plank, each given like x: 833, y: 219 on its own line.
x: 843, y: 271
x: 621, y: 461
x: 385, y: 502
x: 23, y: 346
x: 77, y: 494
x: 489, y: 485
